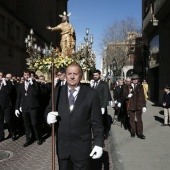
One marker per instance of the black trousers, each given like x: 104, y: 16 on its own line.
x: 7, y: 115
x: 69, y: 164
x: 30, y: 118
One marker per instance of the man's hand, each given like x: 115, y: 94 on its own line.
x: 115, y: 101
x: 144, y: 109
x: 96, y: 152
x: 4, y: 81
x: 103, y: 110
x: 52, y: 117
x: 17, y: 113
x: 91, y: 83
x: 30, y: 81
x: 20, y: 109
x: 49, y: 28
x: 130, y: 95
x: 119, y: 105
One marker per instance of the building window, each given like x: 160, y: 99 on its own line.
x: 2, y: 23
x: 10, y: 29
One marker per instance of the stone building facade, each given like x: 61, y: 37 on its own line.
x: 17, y: 17
x: 156, y: 34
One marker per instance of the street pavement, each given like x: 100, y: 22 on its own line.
x: 121, y: 152
x: 35, y: 157
x: 152, y: 153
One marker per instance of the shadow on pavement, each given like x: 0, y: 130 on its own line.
x: 159, y: 119
x: 102, y: 163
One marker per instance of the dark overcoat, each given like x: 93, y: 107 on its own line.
x: 137, y: 101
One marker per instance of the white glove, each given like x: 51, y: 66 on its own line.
x: 52, y: 117
x: 103, y: 110
x: 130, y: 95
x: 96, y: 152
x: 20, y: 109
x: 56, y: 80
x: 119, y: 105
x: 4, y: 81
x: 115, y: 101
x: 91, y: 83
x: 111, y: 103
x: 30, y: 81
x: 17, y: 113
x: 144, y: 109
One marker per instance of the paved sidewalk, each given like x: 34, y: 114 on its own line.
x: 153, y: 153
x: 36, y: 157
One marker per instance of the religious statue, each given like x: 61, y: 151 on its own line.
x: 67, y: 43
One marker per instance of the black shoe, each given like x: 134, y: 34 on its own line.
x: 2, y: 139
x: 141, y: 136
x: 164, y: 125
x: 14, y: 137
x: 39, y: 142
x: 27, y: 143
x: 132, y: 135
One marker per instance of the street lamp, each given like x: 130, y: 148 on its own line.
x: 85, y: 54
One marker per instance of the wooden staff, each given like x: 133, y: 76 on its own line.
x: 52, y: 99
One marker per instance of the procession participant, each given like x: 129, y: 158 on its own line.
x: 104, y: 96
x: 119, y: 99
x: 78, y: 115
x: 27, y: 99
x: 6, y: 108
x: 137, y: 105
x: 61, y: 75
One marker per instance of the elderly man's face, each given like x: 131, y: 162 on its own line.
x: 73, y: 76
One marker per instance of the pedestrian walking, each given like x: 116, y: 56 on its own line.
x: 166, y: 105
x: 145, y: 88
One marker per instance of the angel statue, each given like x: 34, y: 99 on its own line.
x: 67, y: 43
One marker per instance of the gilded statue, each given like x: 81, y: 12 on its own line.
x: 67, y: 43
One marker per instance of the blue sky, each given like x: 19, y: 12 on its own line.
x: 97, y: 15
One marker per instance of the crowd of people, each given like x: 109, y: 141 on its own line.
x: 130, y: 102
x: 80, y: 111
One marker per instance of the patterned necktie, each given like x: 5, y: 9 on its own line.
x: 95, y: 85
x: 71, y: 98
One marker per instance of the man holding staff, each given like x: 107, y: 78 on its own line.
x: 79, y: 119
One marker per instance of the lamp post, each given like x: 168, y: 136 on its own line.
x: 86, y: 55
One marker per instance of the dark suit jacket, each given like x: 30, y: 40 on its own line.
x: 118, y: 94
x: 74, y: 132
x: 29, y: 101
x: 166, y: 99
x: 5, y: 95
x: 104, y: 93
x: 137, y: 101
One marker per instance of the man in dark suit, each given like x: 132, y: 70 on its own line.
x: 79, y: 119
x: 6, y: 108
x: 119, y: 99
x: 136, y: 106
x: 27, y: 102
x: 104, y: 96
